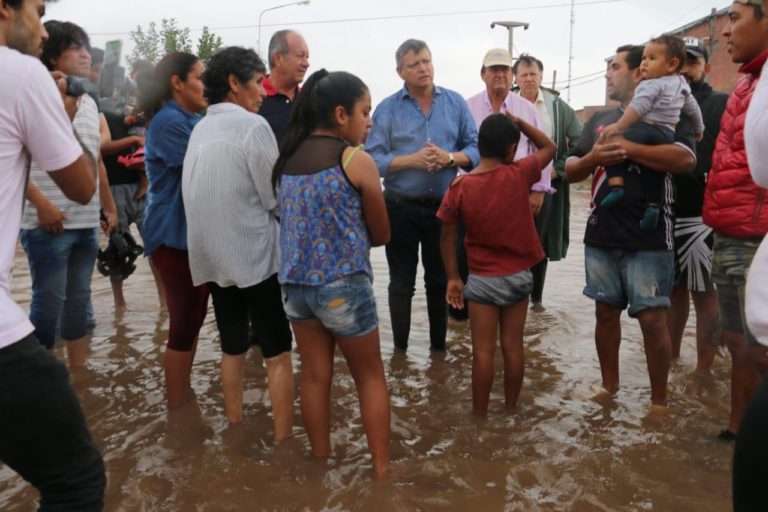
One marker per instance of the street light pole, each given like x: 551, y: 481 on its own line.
x: 258, y: 42
x: 511, y: 26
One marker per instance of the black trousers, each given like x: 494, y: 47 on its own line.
x: 415, y: 225
x: 750, y: 456
x: 43, y: 434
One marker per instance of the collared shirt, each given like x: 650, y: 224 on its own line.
x: 480, y: 107
x: 546, y: 119
x: 401, y: 128
x: 276, y: 108
x: 167, y: 139
x: 229, y: 201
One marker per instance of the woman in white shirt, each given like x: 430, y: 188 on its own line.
x: 232, y: 230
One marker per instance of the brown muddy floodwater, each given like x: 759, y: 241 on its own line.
x: 562, y: 450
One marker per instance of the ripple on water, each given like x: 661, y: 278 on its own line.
x: 564, y: 448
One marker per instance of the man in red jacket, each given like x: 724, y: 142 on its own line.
x: 736, y: 208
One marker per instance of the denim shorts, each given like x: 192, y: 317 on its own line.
x: 345, y: 307
x: 732, y: 258
x: 642, y: 279
x: 499, y: 291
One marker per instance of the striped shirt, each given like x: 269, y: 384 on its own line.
x: 86, y: 125
x: 232, y: 230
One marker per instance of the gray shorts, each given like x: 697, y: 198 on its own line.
x: 129, y: 210
x: 499, y: 291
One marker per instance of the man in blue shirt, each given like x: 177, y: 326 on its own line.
x: 421, y: 135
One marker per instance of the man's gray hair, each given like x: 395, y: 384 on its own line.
x: 278, y: 44
x: 411, y: 45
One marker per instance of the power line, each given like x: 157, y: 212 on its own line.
x: 385, y: 18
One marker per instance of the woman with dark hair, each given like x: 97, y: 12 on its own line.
x: 332, y: 211
x: 232, y: 230
x: 173, y: 105
x: 60, y: 236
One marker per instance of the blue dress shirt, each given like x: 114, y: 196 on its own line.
x: 167, y: 138
x: 400, y: 128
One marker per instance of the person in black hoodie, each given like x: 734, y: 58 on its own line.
x: 693, y: 239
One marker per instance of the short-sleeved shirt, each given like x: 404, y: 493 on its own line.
x: 276, y: 109
x: 79, y: 216
x: 32, y: 122
x: 618, y: 227
x: 117, y: 173
x: 166, y: 146
x: 501, y: 236
x: 232, y: 231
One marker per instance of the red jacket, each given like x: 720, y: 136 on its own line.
x: 733, y: 204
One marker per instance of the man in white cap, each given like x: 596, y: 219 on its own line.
x: 497, y: 97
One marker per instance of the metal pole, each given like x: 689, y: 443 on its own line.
x: 570, y: 50
x: 258, y: 41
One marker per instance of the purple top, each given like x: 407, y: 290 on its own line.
x: 480, y: 107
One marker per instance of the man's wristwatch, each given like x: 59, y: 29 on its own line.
x: 451, y: 160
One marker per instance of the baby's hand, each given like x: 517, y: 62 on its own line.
x: 611, y: 131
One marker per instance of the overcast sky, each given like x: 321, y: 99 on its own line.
x: 458, y: 33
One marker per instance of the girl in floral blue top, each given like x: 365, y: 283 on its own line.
x: 332, y: 211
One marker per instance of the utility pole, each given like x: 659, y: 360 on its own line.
x: 570, y: 49
x: 511, y: 26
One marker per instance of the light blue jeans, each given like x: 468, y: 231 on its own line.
x: 61, y: 267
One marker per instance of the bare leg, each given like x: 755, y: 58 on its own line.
x: 316, y: 346
x: 281, y: 394
x: 178, y: 367
x: 745, y: 376
x: 512, y: 327
x: 232, y: 381
x: 76, y: 352
x: 608, y: 340
x: 364, y: 360
x: 708, y: 335
x: 117, y: 293
x: 653, y: 323
x: 483, y: 324
x: 677, y: 317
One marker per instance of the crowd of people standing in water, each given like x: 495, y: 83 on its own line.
x: 269, y: 204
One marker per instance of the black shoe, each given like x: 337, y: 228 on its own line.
x: 401, y: 346
x: 726, y: 435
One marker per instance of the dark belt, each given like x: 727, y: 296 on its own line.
x: 421, y: 201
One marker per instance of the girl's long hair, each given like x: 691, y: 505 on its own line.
x: 314, y: 108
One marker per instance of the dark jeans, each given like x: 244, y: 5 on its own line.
x: 539, y: 270
x: 750, y: 456
x: 415, y: 224
x: 43, y: 434
x: 653, y: 182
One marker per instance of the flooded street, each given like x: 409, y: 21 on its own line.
x: 561, y: 449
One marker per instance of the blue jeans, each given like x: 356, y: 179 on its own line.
x: 642, y: 279
x: 346, y: 307
x: 61, y: 267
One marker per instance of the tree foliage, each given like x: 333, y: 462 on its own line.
x: 154, y: 42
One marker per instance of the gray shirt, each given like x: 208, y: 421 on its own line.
x: 660, y: 100
x: 232, y: 231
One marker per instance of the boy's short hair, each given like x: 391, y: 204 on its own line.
x: 497, y: 133
x: 675, y: 48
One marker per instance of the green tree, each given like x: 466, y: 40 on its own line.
x: 155, y: 42
x: 208, y: 44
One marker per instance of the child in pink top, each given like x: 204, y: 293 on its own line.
x: 502, y: 245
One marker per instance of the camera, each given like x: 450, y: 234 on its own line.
x: 75, y: 86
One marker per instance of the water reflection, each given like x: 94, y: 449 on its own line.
x: 563, y: 449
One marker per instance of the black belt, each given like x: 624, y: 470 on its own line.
x: 421, y: 201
